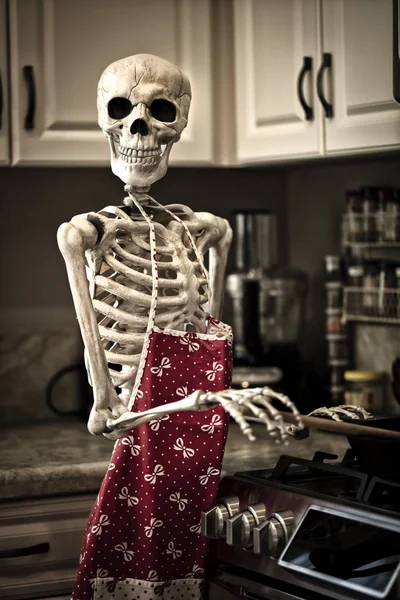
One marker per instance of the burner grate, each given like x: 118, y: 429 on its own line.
x: 382, y: 493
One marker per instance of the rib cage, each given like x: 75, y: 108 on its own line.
x: 120, y: 276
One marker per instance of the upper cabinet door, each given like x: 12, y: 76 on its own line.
x: 358, y: 35
x: 59, y: 49
x: 272, y: 40
x: 3, y: 86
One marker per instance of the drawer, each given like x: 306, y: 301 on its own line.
x: 49, y: 533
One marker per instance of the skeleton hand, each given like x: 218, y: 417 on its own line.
x: 256, y: 401
x: 356, y: 413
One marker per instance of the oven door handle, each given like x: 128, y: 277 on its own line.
x: 271, y: 594
x: 240, y: 591
x: 248, y: 595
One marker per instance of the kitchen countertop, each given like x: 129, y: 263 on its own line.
x: 63, y: 458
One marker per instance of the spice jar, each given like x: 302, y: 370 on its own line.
x: 333, y: 270
x: 365, y: 389
x: 397, y: 293
x: 392, y: 214
x: 334, y: 321
x: 369, y: 210
x: 370, y: 289
x: 355, y: 275
x: 354, y: 207
x: 334, y: 295
x: 338, y: 349
x: 333, y: 285
x: 387, y: 305
x: 382, y: 197
x: 355, y: 281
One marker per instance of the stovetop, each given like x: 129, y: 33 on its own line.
x: 342, y: 481
x: 287, y: 524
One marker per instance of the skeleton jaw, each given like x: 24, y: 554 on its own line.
x: 138, y: 167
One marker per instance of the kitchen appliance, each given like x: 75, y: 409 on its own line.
x: 303, y: 530
x: 267, y: 301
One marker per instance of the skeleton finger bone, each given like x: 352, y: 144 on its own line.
x: 270, y: 416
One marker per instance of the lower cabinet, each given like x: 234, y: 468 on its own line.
x: 40, y: 543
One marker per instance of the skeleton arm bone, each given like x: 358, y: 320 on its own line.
x: 217, y: 242
x: 217, y: 266
x: 74, y: 239
x: 256, y: 401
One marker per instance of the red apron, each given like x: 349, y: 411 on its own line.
x: 142, y: 539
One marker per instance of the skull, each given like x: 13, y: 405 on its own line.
x: 143, y: 104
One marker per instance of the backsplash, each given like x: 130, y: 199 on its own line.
x: 29, y: 358
x: 38, y: 332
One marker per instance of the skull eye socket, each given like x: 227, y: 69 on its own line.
x: 118, y: 108
x: 163, y: 110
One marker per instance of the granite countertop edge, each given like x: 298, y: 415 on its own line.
x: 61, y: 458
x: 20, y: 483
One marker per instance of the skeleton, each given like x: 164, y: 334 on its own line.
x: 143, y: 105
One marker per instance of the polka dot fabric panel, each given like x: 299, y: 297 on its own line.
x: 143, y: 536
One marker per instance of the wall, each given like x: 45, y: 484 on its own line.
x: 316, y: 199
x: 39, y: 334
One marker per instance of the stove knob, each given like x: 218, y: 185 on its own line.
x: 213, y: 521
x: 271, y: 537
x: 239, y: 528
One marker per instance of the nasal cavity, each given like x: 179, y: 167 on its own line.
x: 139, y: 126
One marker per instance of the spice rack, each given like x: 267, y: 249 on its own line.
x: 370, y: 230
x: 371, y: 305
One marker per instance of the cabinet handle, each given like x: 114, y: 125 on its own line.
x: 1, y: 101
x: 28, y: 551
x: 306, y: 68
x: 29, y: 122
x: 326, y: 64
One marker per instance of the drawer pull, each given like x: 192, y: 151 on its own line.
x: 28, y: 551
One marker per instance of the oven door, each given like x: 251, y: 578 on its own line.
x: 226, y: 586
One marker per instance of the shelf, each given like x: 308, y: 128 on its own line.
x: 370, y: 230
x: 371, y: 305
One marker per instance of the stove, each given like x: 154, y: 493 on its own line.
x: 305, y: 530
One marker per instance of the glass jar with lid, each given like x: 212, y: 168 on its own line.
x: 365, y: 389
x: 353, y: 223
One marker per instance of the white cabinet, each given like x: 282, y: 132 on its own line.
x: 255, y: 112
x: 353, y: 38
x: 4, y: 141
x: 59, y: 49
x: 358, y: 35
x: 272, y: 40
x: 40, y: 542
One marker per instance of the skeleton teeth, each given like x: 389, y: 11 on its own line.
x: 134, y: 156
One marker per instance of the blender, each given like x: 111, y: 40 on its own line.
x: 267, y: 302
